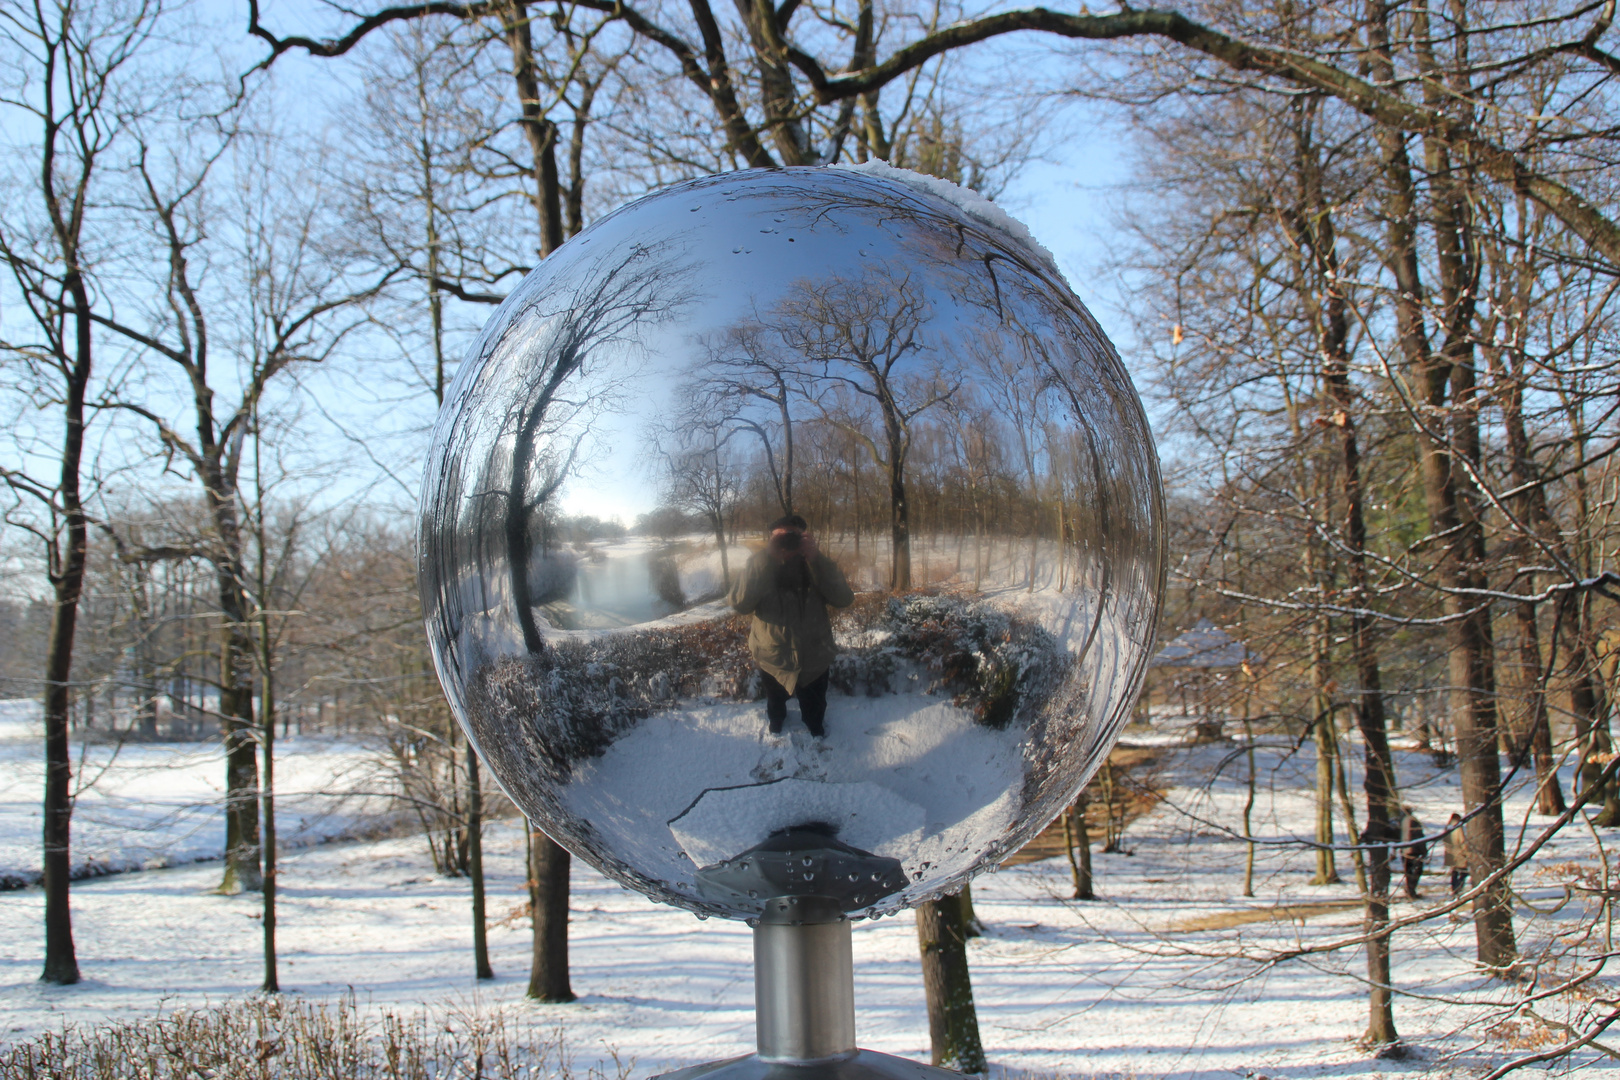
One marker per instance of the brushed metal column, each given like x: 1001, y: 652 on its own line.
x: 804, y: 990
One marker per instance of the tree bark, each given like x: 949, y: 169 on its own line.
x: 549, y: 869
x: 953, y: 1023
x: 548, y: 979
x: 1511, y: 369
x: 67, y: 583
x: 1317, y: 235
x: 1379, y: 771
x: 1327, y: 871
x: 1535, y: 738
x: 899, y: 517
x: 267, y: 719
x: 1590, y: 712
x: 539, y: 129
x: 267, y: 733
x: 1248, y: 811
x: 1458, y: 564
x: 1077, y: 839
x: 475, y: 867
x: 971, y: 926
x: 242, y: 854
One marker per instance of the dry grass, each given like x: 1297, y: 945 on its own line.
x: 1136, y: 768
x: 1282, y: 913
x: 1523, y: 1034
x: 275, y: 1038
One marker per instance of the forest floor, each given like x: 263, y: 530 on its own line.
x: 1170, y: 972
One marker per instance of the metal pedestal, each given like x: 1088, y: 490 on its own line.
x: 804, y: 1007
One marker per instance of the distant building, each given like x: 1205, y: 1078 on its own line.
x: 1203, y: 649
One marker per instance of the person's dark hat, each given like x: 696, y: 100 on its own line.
x: 787, y: 521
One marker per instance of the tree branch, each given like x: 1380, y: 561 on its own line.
x: 1375, y: 102
x: 338, y: 46
x: 458, y: 291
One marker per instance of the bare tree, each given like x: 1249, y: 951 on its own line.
x: 298, y: 307
x: 864, y: 337
x: 701, y: 475
x: 68, y: 84
x: 751, y: 381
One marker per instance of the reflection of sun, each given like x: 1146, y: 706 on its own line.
x: 615, y: 481
x: 606, y: 504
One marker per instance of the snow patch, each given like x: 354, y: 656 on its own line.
x: 882, y: 756
x: 726, y: 821
x: 968, y: 201
x: 150, y: 805
x: 21, y: 720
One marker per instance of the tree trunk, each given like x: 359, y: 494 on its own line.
x: 538, y: 128
x: 1510, y: 368
x: 1347, y: 808
x: 1327, y: 870
x: 953, y: 1023
x: 1461, y: 541
x: 267, y: 717
x: 1378, y: 780
x: 1380, y: 1008
x: 236, y: 662
x: 475, y: 867
x: 242, y: 855
x: 899, y: 523
x: 1453, y: 494
x: 1590, y: 715
x: 1536, y: 739
x: 971, y: 926
x: 267, y: 732
x: 549, y: 868
x: 1078, y: 840
x: 61, y: 961
x: 67, y: 583
x: 1248, y: 812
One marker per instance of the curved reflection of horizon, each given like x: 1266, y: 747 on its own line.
x: 924, y: 389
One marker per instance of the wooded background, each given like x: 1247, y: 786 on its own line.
x: 1367, y: 257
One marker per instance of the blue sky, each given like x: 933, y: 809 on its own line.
x: 1068, y: 199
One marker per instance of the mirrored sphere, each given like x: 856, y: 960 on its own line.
x: 793, y: 533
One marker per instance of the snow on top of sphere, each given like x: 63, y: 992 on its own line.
x: 967, y: 200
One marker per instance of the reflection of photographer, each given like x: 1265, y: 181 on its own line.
x: 787, y: 588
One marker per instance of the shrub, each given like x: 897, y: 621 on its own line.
x: 571, y: 702
x: 274, y: 1038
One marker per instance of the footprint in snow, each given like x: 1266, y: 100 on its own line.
x: 768, y: 769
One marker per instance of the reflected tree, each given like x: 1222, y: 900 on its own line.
x: 504, y: 517
x: 751, y: 380
x: 853, y: 336
x: 702, y: 474
x: 613, y: 306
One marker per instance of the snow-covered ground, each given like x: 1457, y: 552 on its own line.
x: 1171, y: 972
x: 146, y: 805
x: 907, y: 776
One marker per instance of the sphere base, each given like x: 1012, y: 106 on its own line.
x: 856, y: 1065
x: 804, y: 1005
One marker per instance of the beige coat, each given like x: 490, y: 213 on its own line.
x: 791, y: 637
x: 1456, y: 849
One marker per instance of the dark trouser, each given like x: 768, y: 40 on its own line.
x: 1413, y: 868
x: 812, y: 703
x: 1459, y: 878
